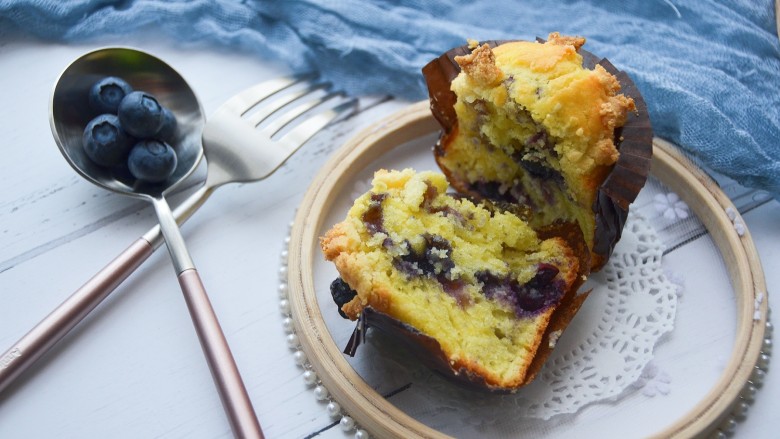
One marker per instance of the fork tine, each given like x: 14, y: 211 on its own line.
x: 257, y: 117
x: 282, y: 121
x: 242, y: 102
x: 302, y: 133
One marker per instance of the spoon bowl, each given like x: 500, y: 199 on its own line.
x: 70, y: 112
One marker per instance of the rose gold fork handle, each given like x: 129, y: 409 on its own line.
x: 60, y: 321
x: 78, y: 305
x: 231, y: 388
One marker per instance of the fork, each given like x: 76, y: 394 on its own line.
x: 240, y: 146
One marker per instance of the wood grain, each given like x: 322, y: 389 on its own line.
x: 383, y: 419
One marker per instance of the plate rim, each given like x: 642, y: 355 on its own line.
x: 380, y: 417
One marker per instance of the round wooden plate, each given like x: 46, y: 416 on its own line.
x: 380, y: 417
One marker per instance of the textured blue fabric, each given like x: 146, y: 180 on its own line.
x: 709, y: 69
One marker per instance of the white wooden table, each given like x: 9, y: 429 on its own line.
x: 134, y: 368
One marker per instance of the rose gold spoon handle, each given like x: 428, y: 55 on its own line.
x: 223, y: 368
x: 230, y: 386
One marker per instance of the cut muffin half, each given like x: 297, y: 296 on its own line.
x: 469, y: 287
x: 527, y: 123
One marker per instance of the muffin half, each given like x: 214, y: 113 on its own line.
x: 469, y: 287
x: 546, y: 126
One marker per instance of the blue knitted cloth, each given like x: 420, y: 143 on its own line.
x: 709, y: 69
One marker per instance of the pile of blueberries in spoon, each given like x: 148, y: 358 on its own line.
x: 132, y: 129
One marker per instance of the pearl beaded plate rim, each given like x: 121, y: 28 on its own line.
x: 381, y: 418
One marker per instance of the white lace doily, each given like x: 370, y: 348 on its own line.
x: 609, y: 352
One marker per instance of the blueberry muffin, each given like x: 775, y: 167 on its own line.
x: 470, y: 287
x: 527, y: 123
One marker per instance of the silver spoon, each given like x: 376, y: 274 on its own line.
x: 69, y: 115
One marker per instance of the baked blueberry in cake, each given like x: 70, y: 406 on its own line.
x: 530, y: 123
x: 471, y: 287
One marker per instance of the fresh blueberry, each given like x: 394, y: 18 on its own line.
x: 105, y: 142
x: 106, y: 94
x: 140, y: 114
x: 168, y: 129
x: 152, y: 161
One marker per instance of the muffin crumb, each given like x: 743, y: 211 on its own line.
x: 565, y: 40
x: 480, y: 65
